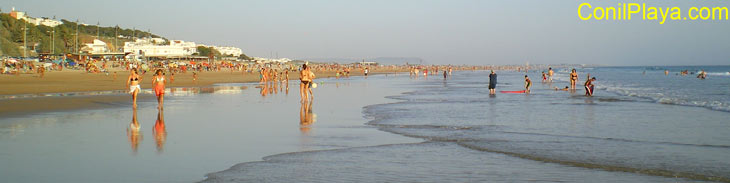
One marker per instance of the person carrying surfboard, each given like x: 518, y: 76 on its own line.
x: 528, y: 83
x: 589, y: 86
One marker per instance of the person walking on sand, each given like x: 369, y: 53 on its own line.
x: 550, y: 74
x: 528, y: 83
x: 304, y: 76
x: 573, y: 78
x: 158, y: 83
x: 195, y: 77
x: 133, y: 85
x: 589, y: 86
x: 492, y: 83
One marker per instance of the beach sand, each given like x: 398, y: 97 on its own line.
x: 79, y: 81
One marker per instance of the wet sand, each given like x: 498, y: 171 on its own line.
x: 25, y: 106
x: 79, y: 81
x: 20, y: 92
x: 206, y: 130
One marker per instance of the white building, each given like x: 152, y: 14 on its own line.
x: 96, y: 47
x: 270, y: 60
x: 154, y: 47
x: 236, y: 52
x: 226, y: 50
x: 35, y: 21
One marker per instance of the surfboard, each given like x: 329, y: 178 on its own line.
x: 521, y: 91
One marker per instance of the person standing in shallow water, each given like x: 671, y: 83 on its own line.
x: 528, y: 83
x: 550, y: 74
x: 589, y: 86
x: 492, y: 83
x: 573, y: 78
x: 304, y: 76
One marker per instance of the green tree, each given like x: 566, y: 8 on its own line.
x: 207, y: 51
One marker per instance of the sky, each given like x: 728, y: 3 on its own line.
x: 478, y: 32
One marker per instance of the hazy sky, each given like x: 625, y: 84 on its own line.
x: 442, y: 32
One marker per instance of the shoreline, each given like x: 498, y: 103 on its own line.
x: 15, y: 107
x: 79, y: 81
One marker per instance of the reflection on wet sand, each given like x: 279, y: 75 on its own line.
x: 133, y: 134
x: 181, y: 91
x: 159, y: 131
x: 306, y: 117
x: 268, y: 88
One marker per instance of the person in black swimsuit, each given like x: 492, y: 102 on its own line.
x: 492, y: 83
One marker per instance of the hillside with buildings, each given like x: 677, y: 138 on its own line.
x: 22, y: 35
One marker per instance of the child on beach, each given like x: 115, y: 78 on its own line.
x: 195, y: 77
x: 544, y: 77
x: 550, y: 74
x: 158, y: 83
x: 589, y: 86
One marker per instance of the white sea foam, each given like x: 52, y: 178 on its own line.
x: 659, y: 96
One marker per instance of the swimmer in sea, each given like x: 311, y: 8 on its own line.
x: 528, y: 83
x: 702, y: 74
x: 564, y: 89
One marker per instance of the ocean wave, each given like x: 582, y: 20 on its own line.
x: 652, y: 95
x: 718, y: 73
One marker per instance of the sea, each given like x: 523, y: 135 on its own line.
x: 641, y: 125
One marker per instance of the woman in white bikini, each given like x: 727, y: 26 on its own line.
x: 133, y: 84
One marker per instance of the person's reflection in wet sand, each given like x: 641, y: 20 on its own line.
x: 306, y: 117
x: 133, y: 134
x: 264, y: 89
x: 159, y: 131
